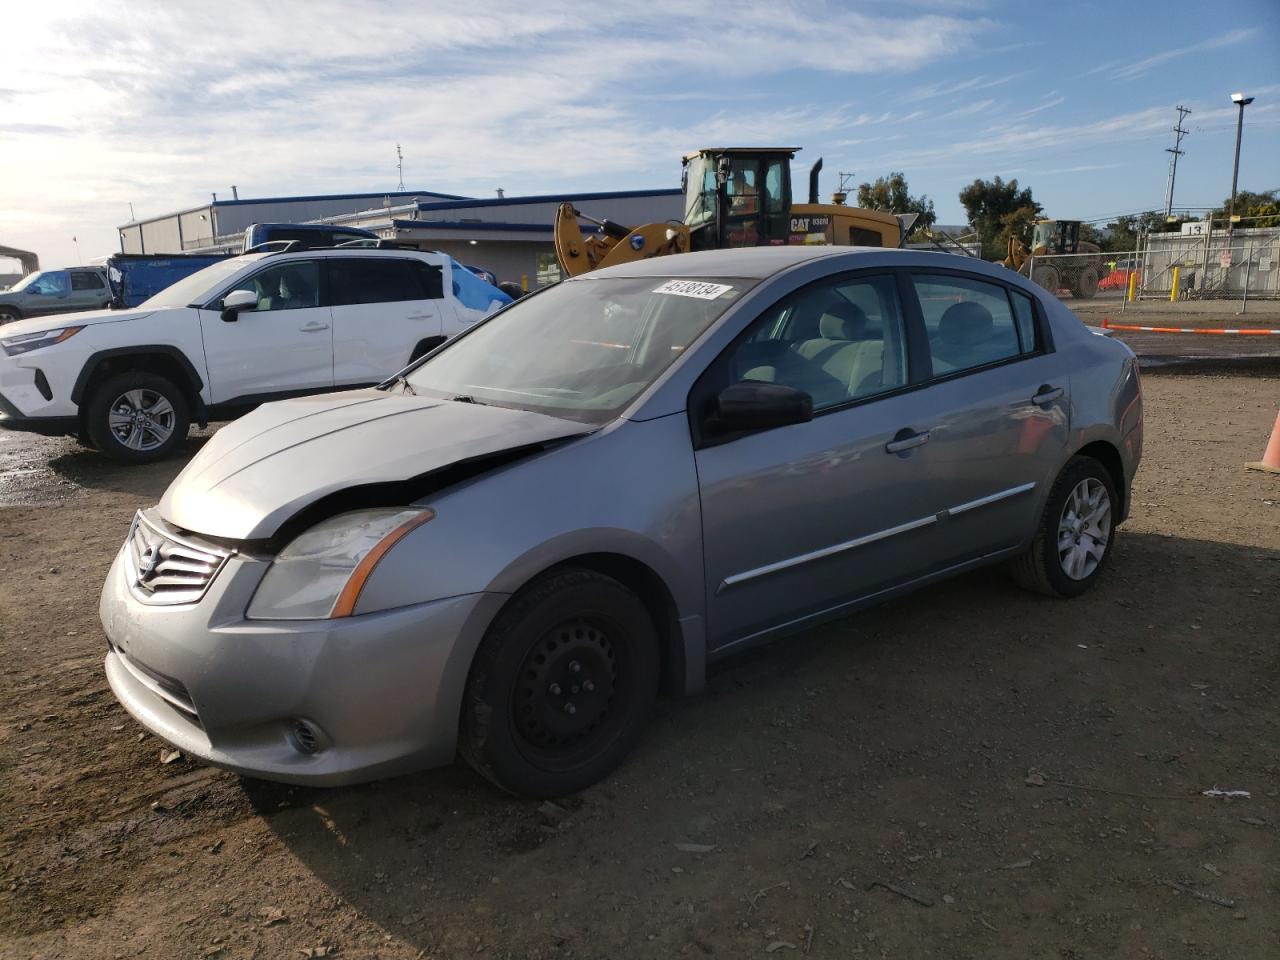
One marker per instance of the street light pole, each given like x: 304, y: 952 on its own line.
x: 1241, y: 101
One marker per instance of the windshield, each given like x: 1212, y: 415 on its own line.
x: 581, y: 350
x: 196, y: 289
x: 50, y: 278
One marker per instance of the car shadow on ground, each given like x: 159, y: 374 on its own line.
x: 939, y: 700
x: 86, y: 468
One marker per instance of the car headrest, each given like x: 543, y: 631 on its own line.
x: 842, y: 320
x: 965, y: 324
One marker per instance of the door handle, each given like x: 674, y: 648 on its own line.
x: 314, y: 327
x: 906, y: 439
x: 1046, y: 394
x: 420, y: 316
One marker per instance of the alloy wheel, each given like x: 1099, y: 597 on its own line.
x: 141, y: 419
x: 1084, y: 529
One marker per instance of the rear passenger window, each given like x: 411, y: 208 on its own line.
x: 968, y: 321
x: 372, y: 280
x: 837, y: 341
x: 86, y: 281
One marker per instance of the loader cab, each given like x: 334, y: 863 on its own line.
x: 738, y: 196
x: 1056, y: 236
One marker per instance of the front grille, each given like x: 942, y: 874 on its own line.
x: 164, y: 567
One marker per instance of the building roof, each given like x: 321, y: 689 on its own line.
x: 404, y: 195
x: 463, y: 204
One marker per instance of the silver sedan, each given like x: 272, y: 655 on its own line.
x: 513, y: 547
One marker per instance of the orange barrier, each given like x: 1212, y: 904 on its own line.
x: 1108, y: 325
x: 1270, y: 461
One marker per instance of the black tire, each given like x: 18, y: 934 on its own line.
x: 1047, y: 277
x: 423, y: 347
x: 9, y: 315
x: 1084, y: 285
x: 520, y: 725
x: 1042, y: 568
x: 98, y: 412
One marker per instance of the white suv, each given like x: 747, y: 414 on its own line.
x: 243, y: 331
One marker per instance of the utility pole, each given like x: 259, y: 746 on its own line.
x: 400, y: 166
x: 1175, y: 153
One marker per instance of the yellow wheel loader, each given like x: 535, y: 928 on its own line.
x: 733, y: 197
x: 1051, y: 240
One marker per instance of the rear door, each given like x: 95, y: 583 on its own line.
x: 383, y: 308
x: 285, y: 346
x: 998, y: 411
x: 88, y: 290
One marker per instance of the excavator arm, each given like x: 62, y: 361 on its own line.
x: 614, y: 244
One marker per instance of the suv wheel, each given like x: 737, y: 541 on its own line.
x: 137, y: 417
x: 9, y: 315
x: 561, y: 686
x: 1074, y: 538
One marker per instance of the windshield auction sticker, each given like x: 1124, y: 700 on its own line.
x: 693, y: 288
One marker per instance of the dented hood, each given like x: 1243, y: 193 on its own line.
x: 259, y: 471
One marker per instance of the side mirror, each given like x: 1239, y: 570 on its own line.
x: 235, y: 301
x: 752, y: 405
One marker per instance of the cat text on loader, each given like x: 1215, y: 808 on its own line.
x: 1051, y: 242
x: 733, y: 197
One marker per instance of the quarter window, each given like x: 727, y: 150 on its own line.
x: 287, y: 286
x: 430, y: 279
x: 1025, y: 315
x: 372, y: 280
x: 837, y: 341
x: 968, y: 321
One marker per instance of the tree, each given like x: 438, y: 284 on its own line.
x: 1123, y: 232
x: 989, y: 203
x: 891, y: 194
x: 1254, y: 209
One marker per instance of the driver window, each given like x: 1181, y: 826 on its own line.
x: 50, y: 284
x: 287, y: 286
x: 838, y: 341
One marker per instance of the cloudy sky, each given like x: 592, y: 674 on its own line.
x: 106, y: 104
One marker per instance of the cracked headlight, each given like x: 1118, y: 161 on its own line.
x: 320, y: 574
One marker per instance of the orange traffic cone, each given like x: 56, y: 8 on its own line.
x: 1270, y: 461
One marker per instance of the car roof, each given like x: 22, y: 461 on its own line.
x: 749, y: 262
x: 313, y: 252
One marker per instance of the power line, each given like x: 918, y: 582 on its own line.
x: 1175, y: 152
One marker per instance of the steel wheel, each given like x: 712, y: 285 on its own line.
x: 567, y: 686
x: 141, y: 419
x: 1084, y: 529
x: 561, y: 685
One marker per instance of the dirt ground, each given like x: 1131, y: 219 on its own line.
x: 967, y: 772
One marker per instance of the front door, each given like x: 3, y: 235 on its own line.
x: 284, y: 346
x: 803, y: 518
x: 48, y: 293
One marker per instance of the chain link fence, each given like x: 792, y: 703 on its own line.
x: 1241, y: 266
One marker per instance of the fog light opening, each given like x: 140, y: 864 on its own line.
x: 306, y: 737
